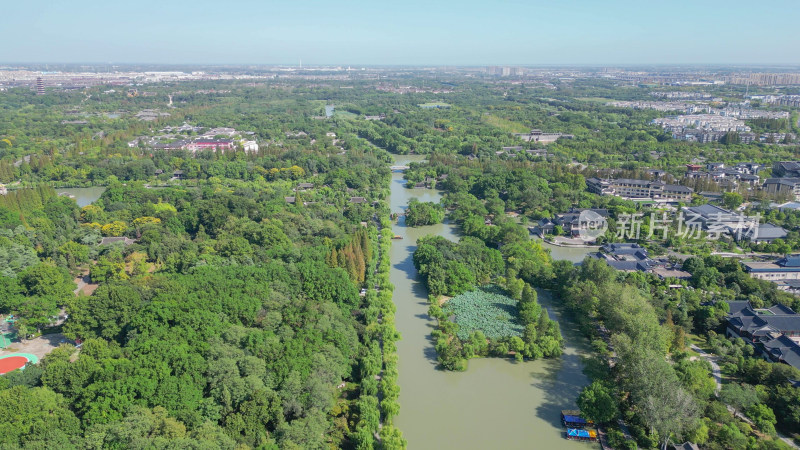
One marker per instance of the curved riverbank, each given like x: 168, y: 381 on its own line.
x: 495, y: 403
x: 567, y: 244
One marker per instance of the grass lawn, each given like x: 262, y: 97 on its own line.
x: 344, y: 114
x: 697, y: 340
x: 509, y: 126
x: 595, y: 99
x: 434, y: 105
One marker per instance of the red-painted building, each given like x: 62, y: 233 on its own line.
x: 210, y: 144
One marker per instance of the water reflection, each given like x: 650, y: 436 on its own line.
x: 496, y: 403
x: 83, y: 196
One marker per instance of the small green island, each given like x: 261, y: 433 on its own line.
x: 423, y: 213
x: 479, y: 311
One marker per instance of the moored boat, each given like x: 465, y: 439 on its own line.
x: 573, y: 419
x: 578, y: 434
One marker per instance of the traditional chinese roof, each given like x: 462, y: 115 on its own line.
x: 766, y: 231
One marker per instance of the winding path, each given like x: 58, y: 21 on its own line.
x: 717, y: 374
x: 715, y: 370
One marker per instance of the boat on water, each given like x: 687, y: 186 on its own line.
x: 578, y: 434
x: 573, y: 419
x: 397, y: 236
x: 578, y: 428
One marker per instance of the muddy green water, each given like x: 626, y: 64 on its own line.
x: 496, y: 403
x: 573, y: 254
x: 83, y: 196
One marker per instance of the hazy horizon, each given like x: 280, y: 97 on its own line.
x: 414, y: 33
x: 418, y: 66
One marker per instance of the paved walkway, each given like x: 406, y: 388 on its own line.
x: 716, y: 373
x: 39, y: 346
x: 84, y: 284
x: 715, y: 370
x: 562, y: 241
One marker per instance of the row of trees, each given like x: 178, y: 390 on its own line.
x: 353, y: 257
x: 377, y: 402
x: 639, y: 326
x: 642, y: 380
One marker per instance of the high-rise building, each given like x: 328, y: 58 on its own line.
x: 39, y: 86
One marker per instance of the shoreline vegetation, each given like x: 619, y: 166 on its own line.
x: 248, y: 304
x: 423, y: 213
x: 642, y: 369
x: 379, y: 390
x: 493, y: 310
x: 219, y: 314
x: 486, y: 322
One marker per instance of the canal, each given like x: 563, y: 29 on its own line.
x: 495, y: 403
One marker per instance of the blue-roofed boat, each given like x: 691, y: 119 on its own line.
x: 578, y: 434
x: 573, y: 419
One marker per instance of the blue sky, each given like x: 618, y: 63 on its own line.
x: 378, y: 32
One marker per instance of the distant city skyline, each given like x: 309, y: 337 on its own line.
x: 581, y: 32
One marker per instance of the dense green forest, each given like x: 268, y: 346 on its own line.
x: 471, y: 266
x: 231, y: 318
x: 645, y: 328
x: 81, y: 138
x: 242, y: 299
x: 223, y: 314
x: 423, y: 213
